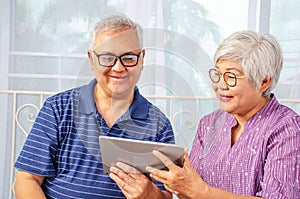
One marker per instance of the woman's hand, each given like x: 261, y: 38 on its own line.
x: 134, y: 184
x: 184, y: 182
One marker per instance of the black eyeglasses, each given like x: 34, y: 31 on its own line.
x: 229, y: 78
x: 109, y: 60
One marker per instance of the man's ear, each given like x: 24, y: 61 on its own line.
x: 89, y: 52
x: 144, y: 53
x: 265, y: 83
x: 90, y: 55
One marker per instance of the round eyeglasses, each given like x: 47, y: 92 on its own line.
x: 229, y: 78
x: 109, y: 60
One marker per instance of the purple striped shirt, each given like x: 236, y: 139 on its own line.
x: 264, y: 161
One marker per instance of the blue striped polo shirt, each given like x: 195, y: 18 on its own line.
x: 63, y: 143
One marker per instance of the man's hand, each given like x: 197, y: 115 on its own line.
x: 134, y: 184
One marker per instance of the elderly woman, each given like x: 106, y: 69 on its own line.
x: 250, y: 148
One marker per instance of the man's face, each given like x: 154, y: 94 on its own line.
x: 118, y: 80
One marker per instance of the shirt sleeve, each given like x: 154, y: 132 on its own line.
x: 166, y: 134
x: 282, y: 167
x: 197, y: 146
x: 38, y: 153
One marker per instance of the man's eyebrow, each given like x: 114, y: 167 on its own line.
x: 131, y: 52
x: 125, y: 53
x: 105, y: 53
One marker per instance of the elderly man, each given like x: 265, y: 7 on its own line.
x: 61, y: 156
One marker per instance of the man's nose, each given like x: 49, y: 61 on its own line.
x: 119, y: 66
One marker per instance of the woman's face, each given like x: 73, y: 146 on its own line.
x: 243, y: 98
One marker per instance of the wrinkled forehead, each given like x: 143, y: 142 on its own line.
x: 123, y: 40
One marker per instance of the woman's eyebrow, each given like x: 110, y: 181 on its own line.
x: 235, y: 69
x: 229, y: 68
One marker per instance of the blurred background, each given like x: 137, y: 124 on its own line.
x: 44, y: 45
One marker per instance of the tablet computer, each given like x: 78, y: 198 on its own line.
x: 137, y: 153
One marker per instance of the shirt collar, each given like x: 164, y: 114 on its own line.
x: 269, y: 107
x: 86, y: 98
x: 138, y: 108
x: 140, y: 105
x: 266, y: 110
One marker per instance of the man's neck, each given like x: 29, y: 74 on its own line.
x: 111, y: 107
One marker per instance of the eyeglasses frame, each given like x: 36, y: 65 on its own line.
x: 223, y: 75
x: 118, y: 57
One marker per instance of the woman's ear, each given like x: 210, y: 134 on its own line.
x: 265, y: 83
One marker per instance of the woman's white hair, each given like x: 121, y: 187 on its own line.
x: 115, y: 23
x: 260, y: 56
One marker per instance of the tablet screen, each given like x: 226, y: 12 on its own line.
x: 137, y: 153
